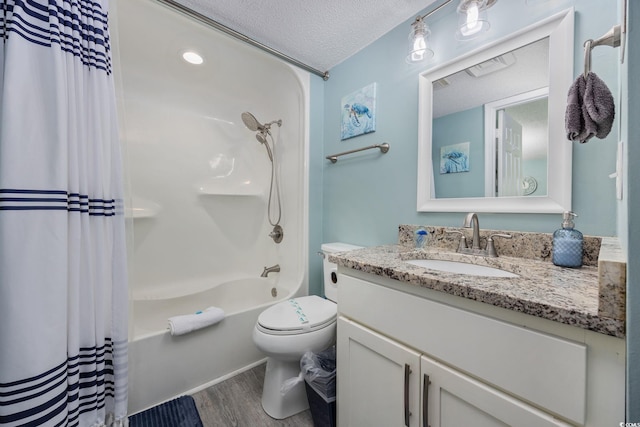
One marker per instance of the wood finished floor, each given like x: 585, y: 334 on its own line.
x: 236, y: 402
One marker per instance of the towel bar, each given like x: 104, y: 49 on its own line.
x: 611, y: 38
x: 384, y: 147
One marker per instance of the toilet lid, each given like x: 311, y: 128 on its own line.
x: 298, y: 315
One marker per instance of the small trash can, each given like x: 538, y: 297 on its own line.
x: 319, y: 370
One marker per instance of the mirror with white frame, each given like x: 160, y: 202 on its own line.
x: 491, y: 125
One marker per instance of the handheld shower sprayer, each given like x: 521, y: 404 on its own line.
x: 262, y: 138
x: 263, y: 130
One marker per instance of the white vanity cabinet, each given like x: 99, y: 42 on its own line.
x: 377, y: 379
x: 482, y: 370
x: 452, y: 399
x: 384, y: 383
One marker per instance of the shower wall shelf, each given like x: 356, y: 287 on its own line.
x: 142, y: 208
x: 139, y: 213
x: 231, y: 192
x: 384, y: 148
x: 226, y: 189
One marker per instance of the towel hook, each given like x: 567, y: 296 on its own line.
x: 587, y: 57
x: 611, y: 38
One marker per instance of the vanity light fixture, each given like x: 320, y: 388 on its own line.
x: 418, y: 37
x: 418, y: 42
x: 472, y: 18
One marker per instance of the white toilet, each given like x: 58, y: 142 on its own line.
x: 285, y: 331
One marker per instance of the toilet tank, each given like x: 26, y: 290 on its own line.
x: 330, y: 269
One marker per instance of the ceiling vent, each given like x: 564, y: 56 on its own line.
x: 440, y: 83
x: 491, y: 66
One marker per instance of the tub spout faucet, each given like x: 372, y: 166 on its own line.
x: 472, y: 221
x: 272, y: 269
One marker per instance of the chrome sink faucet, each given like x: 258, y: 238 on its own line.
x: 471, y: 220
x: 272, y: 269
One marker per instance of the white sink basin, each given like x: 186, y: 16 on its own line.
x: 460, y: 268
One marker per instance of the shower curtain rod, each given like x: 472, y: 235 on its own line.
x: 217, y: 25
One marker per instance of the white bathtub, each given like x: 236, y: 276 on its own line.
x: 164, y: 366
x: 234, y: 297
x: 199, y: 185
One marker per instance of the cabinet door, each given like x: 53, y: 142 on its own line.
x: 452, y: 399
x: 378, y: 379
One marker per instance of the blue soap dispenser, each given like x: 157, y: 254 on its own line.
x: 567, y: 243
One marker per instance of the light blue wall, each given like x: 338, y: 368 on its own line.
x: 366, y: 196
x: 446, y: 131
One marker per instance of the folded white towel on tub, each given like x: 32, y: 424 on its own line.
x: 179, y: 325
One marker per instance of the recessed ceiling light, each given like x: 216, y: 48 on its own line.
x: 192, y: 57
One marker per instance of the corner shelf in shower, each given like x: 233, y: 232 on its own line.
x: 242, y: 190
x: 142, y: 208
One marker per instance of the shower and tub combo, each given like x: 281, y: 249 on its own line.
x: 209, y: 210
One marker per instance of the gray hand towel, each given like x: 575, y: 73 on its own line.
x: 600, y: 105
x: 590, y: 109
x: 574, y: 118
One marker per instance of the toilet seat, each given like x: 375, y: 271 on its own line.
x: 297, y: 316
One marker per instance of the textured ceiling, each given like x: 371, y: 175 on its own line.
x: 320, y: 33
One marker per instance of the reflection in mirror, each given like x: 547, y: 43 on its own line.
x: 516, y: 139
x: 491, y: 123
x: 504, y: 138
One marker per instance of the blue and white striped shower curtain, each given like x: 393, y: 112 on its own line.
x: 63, y: 283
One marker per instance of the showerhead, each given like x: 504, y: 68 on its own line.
x: 251, y: 122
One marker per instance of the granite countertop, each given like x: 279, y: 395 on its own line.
x: 565, y: 295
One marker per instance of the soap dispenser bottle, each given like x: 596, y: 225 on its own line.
x: 567, y: 243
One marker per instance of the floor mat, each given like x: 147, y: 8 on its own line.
x: 180, y: 412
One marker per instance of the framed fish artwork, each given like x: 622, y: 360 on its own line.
x: 359, y: 112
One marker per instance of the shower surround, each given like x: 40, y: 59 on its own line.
x: 199, y: 184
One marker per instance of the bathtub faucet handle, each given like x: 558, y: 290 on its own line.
x: 272, y: 269
x: 277, y: 234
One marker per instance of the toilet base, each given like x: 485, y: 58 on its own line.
x: 273, y: 402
